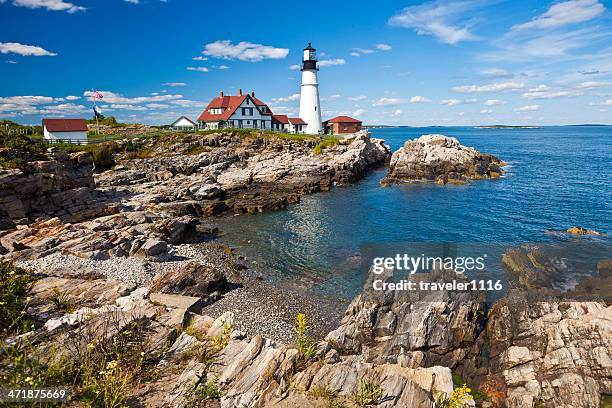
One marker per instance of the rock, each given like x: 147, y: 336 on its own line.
x: 441, y: 159
x: 193, y: 279
x: 188, y: 303
x: 153, y: 247
x: 604, y: 268
x: 582, y: 231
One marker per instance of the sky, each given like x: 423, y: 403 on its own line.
x: 464, y: 62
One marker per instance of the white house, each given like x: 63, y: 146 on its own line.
x: 184, y: 123
x: 236, y: 111
x: 283, y: 123
x: 71, y: 130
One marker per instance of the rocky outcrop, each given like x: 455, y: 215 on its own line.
x: 552, y: 354
x: 441, y: 159
x: 233, y: 174
x: 530, y: 348
x: 193, y: 279
x: 154, y: 197
x: 60, y: 187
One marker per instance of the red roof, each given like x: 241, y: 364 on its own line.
x: 343, y: 119
x: 230, y: 103
x: 65, y: 125
x: 280, y: 119
x: 296, y: 121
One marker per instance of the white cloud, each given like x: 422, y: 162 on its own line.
x: 27, y: 100
x: 116, y: 98
x: 396, y: 113
x: 53, y: 5
x: 387, y: 102
x: 357, y: 98
x: 455, y: 102
x: 564, y: 13
x: 295, y: 67
x: 383, y: 47
x: 528, y: 108
x: 222, y: 67
x: 486, y: 111
x: 545, y: 92
x: 200, y: 58
x: 290, y: 98
x: 243, y: 51
x: 330, y: 62
x: 418, y: 99
x: 358, y: 112
x: 530, y: 45
x: 437, y: 18
x: 25, y: 50
x: 72, y: 98
x: 174, y: 84
x: 494, y: 102
x: 158, y: 105
x: 355, y: 54
x: 363, y: 50
x: 123, y: 106
x: 198, y: 69
x: 593, y: 85
x: 502, y: 86
x: 496, y: 73
x: 331, y: 97
x: 604, y: 103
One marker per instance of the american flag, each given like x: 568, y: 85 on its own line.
x: 97, y: 95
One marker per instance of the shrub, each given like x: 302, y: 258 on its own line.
x: 369, y: 393
x: 305, y: 344
x: 202, y: 392
x: 15, y: 286
x: 460, y: 398
x: 62, y: 301
x: 221, y: 341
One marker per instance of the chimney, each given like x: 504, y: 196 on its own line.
x: 240, y: 92
x: 221, y: 94
x: 253, y: 94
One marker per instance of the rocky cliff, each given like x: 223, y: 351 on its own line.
x: 60, y: 187
x: 441, y: 159
x: 160, y: 188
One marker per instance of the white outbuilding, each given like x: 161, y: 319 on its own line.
x: 184, y: 123
x: 69, y: 130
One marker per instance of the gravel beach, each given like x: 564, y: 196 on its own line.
x: 260, y: 307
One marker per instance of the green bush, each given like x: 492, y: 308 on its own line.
x: 369, y: 393
x: 15, y: 287
x: 305, y: 344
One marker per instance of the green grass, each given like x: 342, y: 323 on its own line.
x: 329, y: 141
x: 369, y: 393
x: 15, y: 287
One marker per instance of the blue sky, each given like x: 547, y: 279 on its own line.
x: 463, y: 62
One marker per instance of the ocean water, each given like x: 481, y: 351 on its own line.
x: 557, y: 177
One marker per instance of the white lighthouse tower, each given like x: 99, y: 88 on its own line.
x: 310, y: 106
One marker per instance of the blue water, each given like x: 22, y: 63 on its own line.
x: 557, y: 177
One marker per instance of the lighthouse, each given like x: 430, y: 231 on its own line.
x: 310, y: 106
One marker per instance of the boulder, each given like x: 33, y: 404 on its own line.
x: 192, y: 279
x: 441, y: 159
x: 188, y: 303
